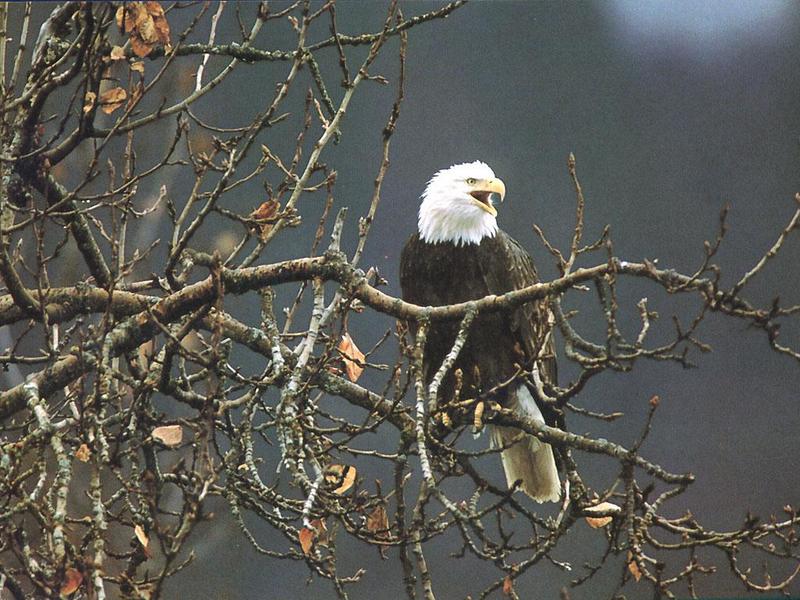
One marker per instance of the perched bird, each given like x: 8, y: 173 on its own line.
x: 460, y: 254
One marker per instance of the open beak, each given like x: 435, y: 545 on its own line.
x: 482, y: 194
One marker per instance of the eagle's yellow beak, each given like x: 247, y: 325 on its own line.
x: 482, y: 191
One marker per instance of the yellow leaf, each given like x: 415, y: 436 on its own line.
x: 169, y: 435
x: 306, y: 537
x: 137, y: 66
x: 138, y: 530
x: 353, y: 358
x: 342, y: 476
x: 117, y: 53
x: 603, y: 507
x: 88, y: 101
x: 633, y: 567
x: 72, y: 581
x: 83, y: 453
x: 112, y: 99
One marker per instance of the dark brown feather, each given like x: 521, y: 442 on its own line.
x: 440, y: 274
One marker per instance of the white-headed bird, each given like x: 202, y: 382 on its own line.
x: 459, y: 254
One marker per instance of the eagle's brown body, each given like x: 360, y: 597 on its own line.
x: 446, y: 273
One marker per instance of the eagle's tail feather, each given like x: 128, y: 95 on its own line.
x: 529, y: 459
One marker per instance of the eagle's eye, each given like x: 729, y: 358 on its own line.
x: 471, y: 181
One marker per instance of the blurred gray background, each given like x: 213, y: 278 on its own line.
x: 672, y: 110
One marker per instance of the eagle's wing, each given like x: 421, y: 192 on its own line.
x: 529, y: 322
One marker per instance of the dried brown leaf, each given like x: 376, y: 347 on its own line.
x: 138, y: 530
x: 72, y: 581
x: 169, y: 435
x: 598, y: 522
x: 321, y: 529
x: 130, y: 15
x: 154, y: 8
x: 378, y: 524
x: 477, y: 418
x: 353, y: 358
x: 117, y: 53
x: 378, y: 521
x: 306, y: 537
x: 508, y: 586
x: 112, y: 99
x: 342, y: 476
x: 146, y: 351
x: 147, y: 30
x: 140, y: 47
x: 603, y: 507
x: 266, y: 212
x: 120, y: 15
x: 633, y: 567
x: 146, y: 26
x: 83, y: 453
x: 88, y: 101
x: 156, y: 12
x: 137, y: 66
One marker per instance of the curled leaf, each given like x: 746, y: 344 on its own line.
x: 169, y: 435
x: 72, y: 581
x: 353, y: 358
x: 117, y: 53
x: 137, y: 66
x: 341, y: 476
x: 603, y: 507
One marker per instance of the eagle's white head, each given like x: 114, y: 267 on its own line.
x: 458, y: 205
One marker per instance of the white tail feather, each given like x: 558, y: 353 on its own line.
x: 529, y: 459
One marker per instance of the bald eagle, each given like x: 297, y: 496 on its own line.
x: 459, y: 254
